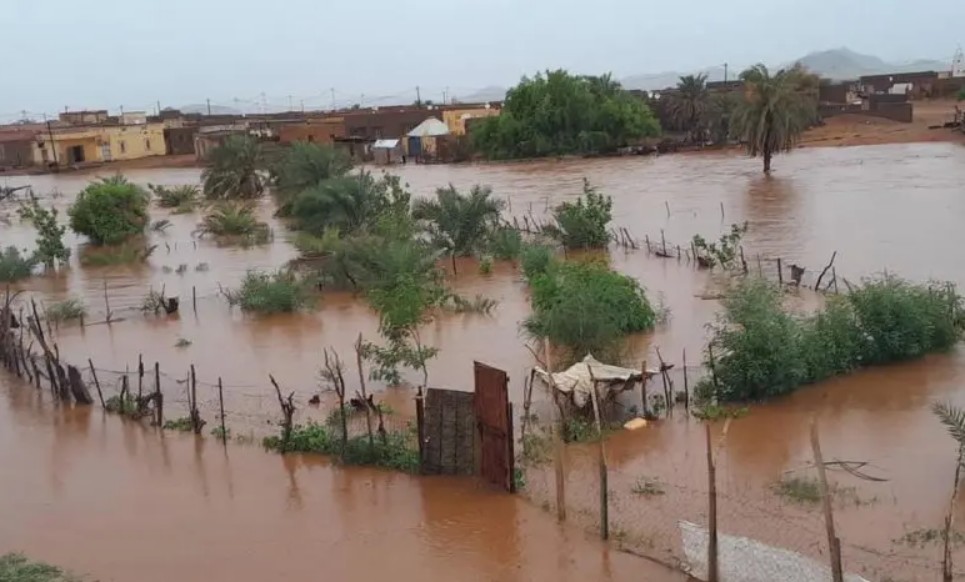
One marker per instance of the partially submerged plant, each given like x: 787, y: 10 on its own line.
x: 110, y: 211
x: 182, y: 424
x: 583, y: 224
x: 66, y: 310
x: 722, y: 253
x: 51, y: 249
x: 127, y: 253
x: 14, y: 265
x: 181, y: 198
x: 235, y: 219
x: 277, y: 292
x: 17, y: 568
x: 647, y: 487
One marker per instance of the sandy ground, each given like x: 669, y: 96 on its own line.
x: 852, y: 130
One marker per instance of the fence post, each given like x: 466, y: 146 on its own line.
x: 780, y: 272
x: 686, y: 383
x: 160, y: 397
x: 512, y: 448
x: 194, y: 299
x: 558, y: 449
x: 713, y: 571
x: 420, y: 421
x: 97, y: 384
x: 663, y: 243
x: 834, y: 545
x: 604, y: 501
x: 224, y: 432
x: 107, y: 303
x: 643, y: 390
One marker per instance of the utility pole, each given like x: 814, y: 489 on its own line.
x: 418, y: 97
x: 159, y: 107
x: 209, y: 106
x: 303, y: 106
x: 333, y: 98
x: 53, y: 144
x: 725, y: 72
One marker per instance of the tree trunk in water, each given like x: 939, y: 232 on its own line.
x: 767, y: 161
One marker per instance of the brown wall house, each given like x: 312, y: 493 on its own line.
x: 321, y: 131
x: 388, y: 124
x: 179, y: 140
x: 922, y: 82
x: 834, y: 92
x: 17, y: 148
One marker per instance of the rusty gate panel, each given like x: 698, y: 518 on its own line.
x: 449, y: 433
x: 494, y: 425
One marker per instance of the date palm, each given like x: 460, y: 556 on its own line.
x: 304, y: 166
x: 775, y: 111
x: 459, y: 223
x: 235, y: 170
x: 688, y: 106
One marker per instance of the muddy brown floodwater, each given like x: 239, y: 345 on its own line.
x: 107, y: 497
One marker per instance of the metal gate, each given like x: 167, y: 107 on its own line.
x: 494, y: 425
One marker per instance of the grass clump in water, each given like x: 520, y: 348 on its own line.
x: 182, y: 424
x: 182, y: 199
x: 394, y: 450
x: 235, y: 219
x: 116, y: 255
x: 17, y: 568
x: 804, y: 490
x: 763, y: 350
x: 14, y: 265
x: 647, y: 487
x: 66, y: 310
x: 506, y: 244
x: 278, y: 292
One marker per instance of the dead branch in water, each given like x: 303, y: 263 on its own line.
x: 817, y: 286
x: 287, y: 410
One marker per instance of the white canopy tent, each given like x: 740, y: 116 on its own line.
x: 577, y: 380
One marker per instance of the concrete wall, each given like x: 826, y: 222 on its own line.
x: 317, y: 131
x: 132, y: 142
x: 179, y: 140
x: 455, y: 119
x: 17, y: 153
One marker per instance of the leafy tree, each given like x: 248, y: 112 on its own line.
x: 721, y: 110
x: 583, y: 224
x: 586, y: 307
x: 690, y: 103
x: 348, y: 203
x: 50, y: 234
x: 304, y: 166
x: 235, y: 170
x: 110, y: 211
x: 14, y: 265
x: 557, y: 113
x: 776, y: 110
x: 460, y: 224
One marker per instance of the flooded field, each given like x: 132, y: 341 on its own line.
x: 897, y: 207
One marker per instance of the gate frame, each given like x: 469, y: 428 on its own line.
x: 487, y: 390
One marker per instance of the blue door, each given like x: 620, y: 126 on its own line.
x: 415, y: 147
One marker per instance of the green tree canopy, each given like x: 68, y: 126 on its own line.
x: 690, y: 103
x: 348, y: 203
x: 109, y: 211
x: 558, y: 113
x: 304, y: 166
x: 776, y: 110
x: 235, y: 170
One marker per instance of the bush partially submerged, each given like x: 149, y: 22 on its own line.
x: 506, y: 244
x: 17, y: 568
x: 14, y: 265
x: 181, y: 198
x: 110, y: 211
x: 235, y: 220
x: 393, y: 450
x: 66, y: 310
x: 763, y: 350
x: 583, y: 224
x: 587, y: 308
x: 276, y: 292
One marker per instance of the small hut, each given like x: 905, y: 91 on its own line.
x: 387, y: 151
x: 576, y: 383
x: 421, y: 141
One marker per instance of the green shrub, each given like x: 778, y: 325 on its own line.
x: 235, y: 220
x: 506, y: 244
x: 66, y: 310
x: 235, y: 170
x: 17, y: 568
x: 109, y: 211
x: 134, y: 251
x: 536, y: 259
x: 276, y: 292
x: 50, y: 233
x: 182, y: 198
x: 587, y: 308
x: 763, y: 350
x: 394, y: 450
x: 14, y: 265
x: 583, y: 224
x: 182, y: 424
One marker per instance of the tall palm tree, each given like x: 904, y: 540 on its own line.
x: 304, y: 166
x: 953, y: 418
x: 689, y: 104
x: 776, y: 110
x: 235, y: 170
x: 459, y: 223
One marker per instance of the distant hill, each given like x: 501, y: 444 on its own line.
x: 838, y: 64
x: 215, y: 109
x: 843, y: 63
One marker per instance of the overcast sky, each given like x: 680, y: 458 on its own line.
x: 109, y: 53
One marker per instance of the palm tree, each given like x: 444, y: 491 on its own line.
x: 775, y: 111
x: 235, y: 170
x: 348, y: 203
x: 689, y: 104
x: 304, y: 166
x: 457, y: 223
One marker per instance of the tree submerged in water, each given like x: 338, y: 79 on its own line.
x: 776, y: 110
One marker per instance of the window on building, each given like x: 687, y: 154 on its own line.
x: 147, y: 144
x: 123, y: 146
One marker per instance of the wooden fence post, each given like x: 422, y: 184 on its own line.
x: 663, y: 243
x: 559, y: 450
x: 780, y: 272
x: 604, y: 499
x: 224, y: 432
x: 643, y: 390
x: 97, y: 384
x: 713, y: 569
x: 159, y: 398
x: 834, y: 545
x: 107, y: 303
x: 686, y: 383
